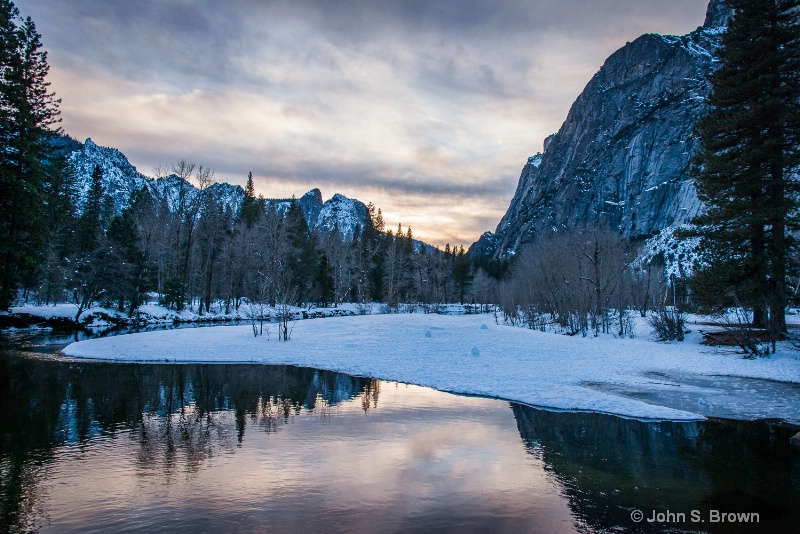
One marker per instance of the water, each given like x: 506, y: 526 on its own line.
x: 98, y: 447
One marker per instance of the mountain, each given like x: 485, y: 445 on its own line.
x: 121, y: 179
x: 622, y: 155
x: 342, y: 214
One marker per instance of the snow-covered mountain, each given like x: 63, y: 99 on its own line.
x: 342, y: 214
x: 121, y: 179
x: 622, y: 156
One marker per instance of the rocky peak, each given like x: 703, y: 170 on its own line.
x: 717, y: 15
x: 622, y: 156
x: 311, y: 204
x: 345, y: 215
x: 121, y: 179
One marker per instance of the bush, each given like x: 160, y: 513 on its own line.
x: 669, y: 324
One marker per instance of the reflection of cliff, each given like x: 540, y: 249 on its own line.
x: 608, y: 467
x: 179, y: 415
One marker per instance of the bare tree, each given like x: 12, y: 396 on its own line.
x: 577, y: 281
x: 186, y: 202
x: 287, y: 297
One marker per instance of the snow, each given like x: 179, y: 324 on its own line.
x: 343, y: 214
x: 152, y: 313
x: 120, y: 178
x: 457, y: 354
x: 679, y: 254
x: 58, y: 311
x: 67, y: 312
x: 158, y: 313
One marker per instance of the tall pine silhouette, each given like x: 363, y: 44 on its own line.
x: 252, y: 209
x: 28, y: 110
x: 746, y: 170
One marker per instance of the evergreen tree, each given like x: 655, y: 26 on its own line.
x: 94, y: 265
x: 27, y: 112
x: 746, y: 169
x: 303, y: 260
x: 133, y: 271
x: 59, y: 200
x: 252, y: 208
x: 91, y: 226
x: 377, y: 222
x: 462, y: 272
x: 324, y: 282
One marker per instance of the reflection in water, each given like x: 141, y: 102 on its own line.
x: 179, y: 415
x: 609, y: 466
x: 244, y: 447
x: 240, y: 447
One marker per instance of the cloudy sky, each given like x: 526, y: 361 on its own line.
x: 427, y: 108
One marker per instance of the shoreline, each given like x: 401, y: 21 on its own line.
x: 678, y: 382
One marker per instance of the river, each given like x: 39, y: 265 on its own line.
x: 95, y: 447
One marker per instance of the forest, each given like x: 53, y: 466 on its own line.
x: 188, y: 250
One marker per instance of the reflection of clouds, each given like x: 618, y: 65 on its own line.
x: 414, y: 457
x: 340, y: 95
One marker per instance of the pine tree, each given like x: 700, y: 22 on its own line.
x: 27, y: 112
x: 462, y: 272
x: 133, y: 271
x: 746, y: 169
x: 59, y: 215
x: 94, y: 265
x: 303, y: 260
x: 252, y: 209
x: 378, y: 223
x: 90, y: 225
x: 324, y: 282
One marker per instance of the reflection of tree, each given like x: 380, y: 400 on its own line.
x: 28, y: 432
x: 369, y: 397
x: 609, y: 466
x: 179, y: 416
x: 22, y: 495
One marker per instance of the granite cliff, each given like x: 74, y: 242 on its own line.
x: 622, y: 156
x: 121, y: 179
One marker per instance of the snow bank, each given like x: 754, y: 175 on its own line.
x: 472, y: 355
x: 58, y: 311
x: 152, y: 313
x: 95, y: 316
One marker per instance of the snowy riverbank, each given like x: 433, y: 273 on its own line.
x: 636, y: 378
x: 63, y: 316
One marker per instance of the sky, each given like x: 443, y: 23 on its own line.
x: 428, y: 109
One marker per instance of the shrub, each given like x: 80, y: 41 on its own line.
x: 669, y: 324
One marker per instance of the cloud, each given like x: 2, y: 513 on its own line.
x: 427, y: 108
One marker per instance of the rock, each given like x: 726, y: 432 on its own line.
x: 428, y: 333
x: 622, y: 155
x: 484, y: 327
x: 121, y: 179
x: 794, y: 441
